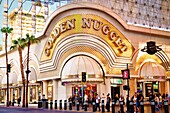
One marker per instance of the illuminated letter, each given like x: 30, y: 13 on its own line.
x: 97, y: 25
x: 86, y: 23
x: 63, y: 27
x: 106, y: 29
x: 123, y: 48
x: 120, y: 44
x: 71, y: 24
x: 57, y: 32
x: 49, y: 46
x: 113, y: 36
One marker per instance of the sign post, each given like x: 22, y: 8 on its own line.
x: 83, y: 81
x: 126, y: 75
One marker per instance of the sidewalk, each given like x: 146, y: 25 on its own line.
x: 147, y: 108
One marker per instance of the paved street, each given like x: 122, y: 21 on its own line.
x: 15, y: 109
x: 32, y: 110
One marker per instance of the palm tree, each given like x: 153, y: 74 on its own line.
x: 29, y: 40
x: 7, y: 31
x: 20, y: 44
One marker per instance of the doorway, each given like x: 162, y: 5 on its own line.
x: 115, y: 90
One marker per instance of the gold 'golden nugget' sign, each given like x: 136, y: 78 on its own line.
x: 88, y: 24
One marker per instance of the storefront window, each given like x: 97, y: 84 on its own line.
x: 155, y: 87
x: 32, y: 93
x: 148, y: 87
x: 50, y: 90
x: 2, y: 95
x: 152, y: 87
x: 140, y: 87
x: 89, y: 89
x: 39, y: 92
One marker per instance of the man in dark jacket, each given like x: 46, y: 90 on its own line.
x: 108, y: 102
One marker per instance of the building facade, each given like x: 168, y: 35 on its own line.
x: 89, y: 37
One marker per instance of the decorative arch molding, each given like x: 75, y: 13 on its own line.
x: 77, y: 7
x: 15, y: 66
x: 165, y: 59
x: 33, y: 74
x: 85, y: 55
x: 33, y: 62
x: 102, y: 66
x: 90, y: 41
x: 160, y: 57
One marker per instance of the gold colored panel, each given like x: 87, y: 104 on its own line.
x: 88, y: 24
x: 147, y: 57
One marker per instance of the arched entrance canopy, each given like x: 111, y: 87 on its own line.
x: 73, y: 68
x: 152, y: 71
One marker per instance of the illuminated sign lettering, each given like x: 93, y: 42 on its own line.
x: 89, y: 24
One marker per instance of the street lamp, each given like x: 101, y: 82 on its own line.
x: 27, y: 74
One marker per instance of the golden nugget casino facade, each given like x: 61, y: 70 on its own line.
x: 88, y: 37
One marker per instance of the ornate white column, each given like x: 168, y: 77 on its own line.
x: 55, y: 91
x: 61, y: 91
x: 98, y: 89
x: 108, y: 86
x: 102, y: 89
x: 45, y: 88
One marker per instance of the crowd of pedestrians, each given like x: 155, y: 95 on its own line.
x: 95, y: 98
x: 136, y: 99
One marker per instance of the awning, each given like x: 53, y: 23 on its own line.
x: 152, y: 71
x: 73, y: 69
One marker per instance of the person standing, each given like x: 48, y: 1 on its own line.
x: 103, y: 97
x: 156, y: 103
x: 139, y: 99
x: 108, y: 102
x: 151, y: 96
x: 117, y: 99
x: 19, y: 101
x: 160, y: 101
x: 97, y: 102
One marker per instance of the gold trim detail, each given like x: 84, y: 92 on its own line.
x: 88, y: 24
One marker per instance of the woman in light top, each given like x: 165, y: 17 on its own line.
x: 157, y: 103
x: 135, y: 101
